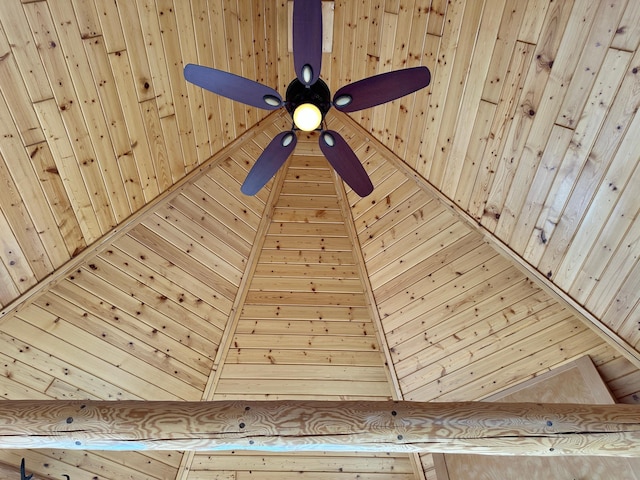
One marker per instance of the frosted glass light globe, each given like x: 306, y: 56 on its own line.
x: 307, y: 117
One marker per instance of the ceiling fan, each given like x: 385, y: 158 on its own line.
x: 308, y: 100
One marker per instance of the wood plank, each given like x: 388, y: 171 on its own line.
x: 392, y: 229
x: 440, y: 84
x: 222, y: 188
x: 115, y: 121
x: 503, y: 50
x: 317, y: 388
x: 178, y: 29
x: 190, y: 222
x: 391, y: 465
x: 63, y: 118
x: 243, y: 475
x: 140, y: 149
x: 427, y: 266
x: 155, y: 138
x: 73, y: 355
x: 557, y: 145
x: 506, y: 109
x: 416, y: 17
x: 142, y: 315
x: 184, y: 256
x: 306, y: 257
x: 187, y: 213
x: 95, y: 323
x: 293, y: 285
x: 110, y: 26
x: 433, y: 349
x: 555, y: 332
x: 474, y: 156
x: 305, y: 312
x: 403, y: 201
x: 150, y: 28
x: 531, y: 125
x: 599, y: 327
x: 297, y: 229
x: 185, y: 235
x: 299, y: 327
x: 453, y: 160
x: 281, y: 215
x: 76, y: 378
x: 279, y: 242
x: 115, y: 349
x: 24, y: 202
x: 400, y: 261
x: 202, y: 317
x: 306, y: 342
x: 457, y: 345
x: 136, y: 51
x: 304, y: 298
x: 441, y: 319
x: 554, y: 355
x: 199, y: 291
x: 616, y: 133
x: 13, y: 25
x: 592, y: 174
x: 307, y: 357
x: 404, y: 253
x: 628, y: 32
x: 94, y: 126
x: 592, y: 58
x: 16, y: 95
x: 306, y: 271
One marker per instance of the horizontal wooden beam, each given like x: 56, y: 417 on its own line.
x: 467, y: 427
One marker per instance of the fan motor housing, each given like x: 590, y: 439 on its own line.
x: 317, y: 94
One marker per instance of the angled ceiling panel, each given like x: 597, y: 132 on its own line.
x: 305, y: 330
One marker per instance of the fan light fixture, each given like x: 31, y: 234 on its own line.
x: 307, y: 117
x: 308, y: 100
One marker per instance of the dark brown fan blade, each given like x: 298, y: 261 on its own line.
x: 380, y: 89
x: 345, y: 162
x: 269, y: 162
x: 307, y: 40
x: 233, y: 86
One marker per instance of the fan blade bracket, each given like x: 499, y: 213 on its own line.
x: 307, y: 74
x: 287, y: 139
x: 272, y: 101
x: 342, y: 100
x: 328, y: 139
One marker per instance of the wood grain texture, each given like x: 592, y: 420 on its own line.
x: 488, y: 428
x: 118, y: 173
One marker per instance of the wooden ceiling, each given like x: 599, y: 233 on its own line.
x: 501, y: 239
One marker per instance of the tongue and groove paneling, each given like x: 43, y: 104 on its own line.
x: 460, y: 320
x: 305, y: 329
x: 143, y: 318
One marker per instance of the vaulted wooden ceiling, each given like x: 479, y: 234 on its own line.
x: 501, y: 239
